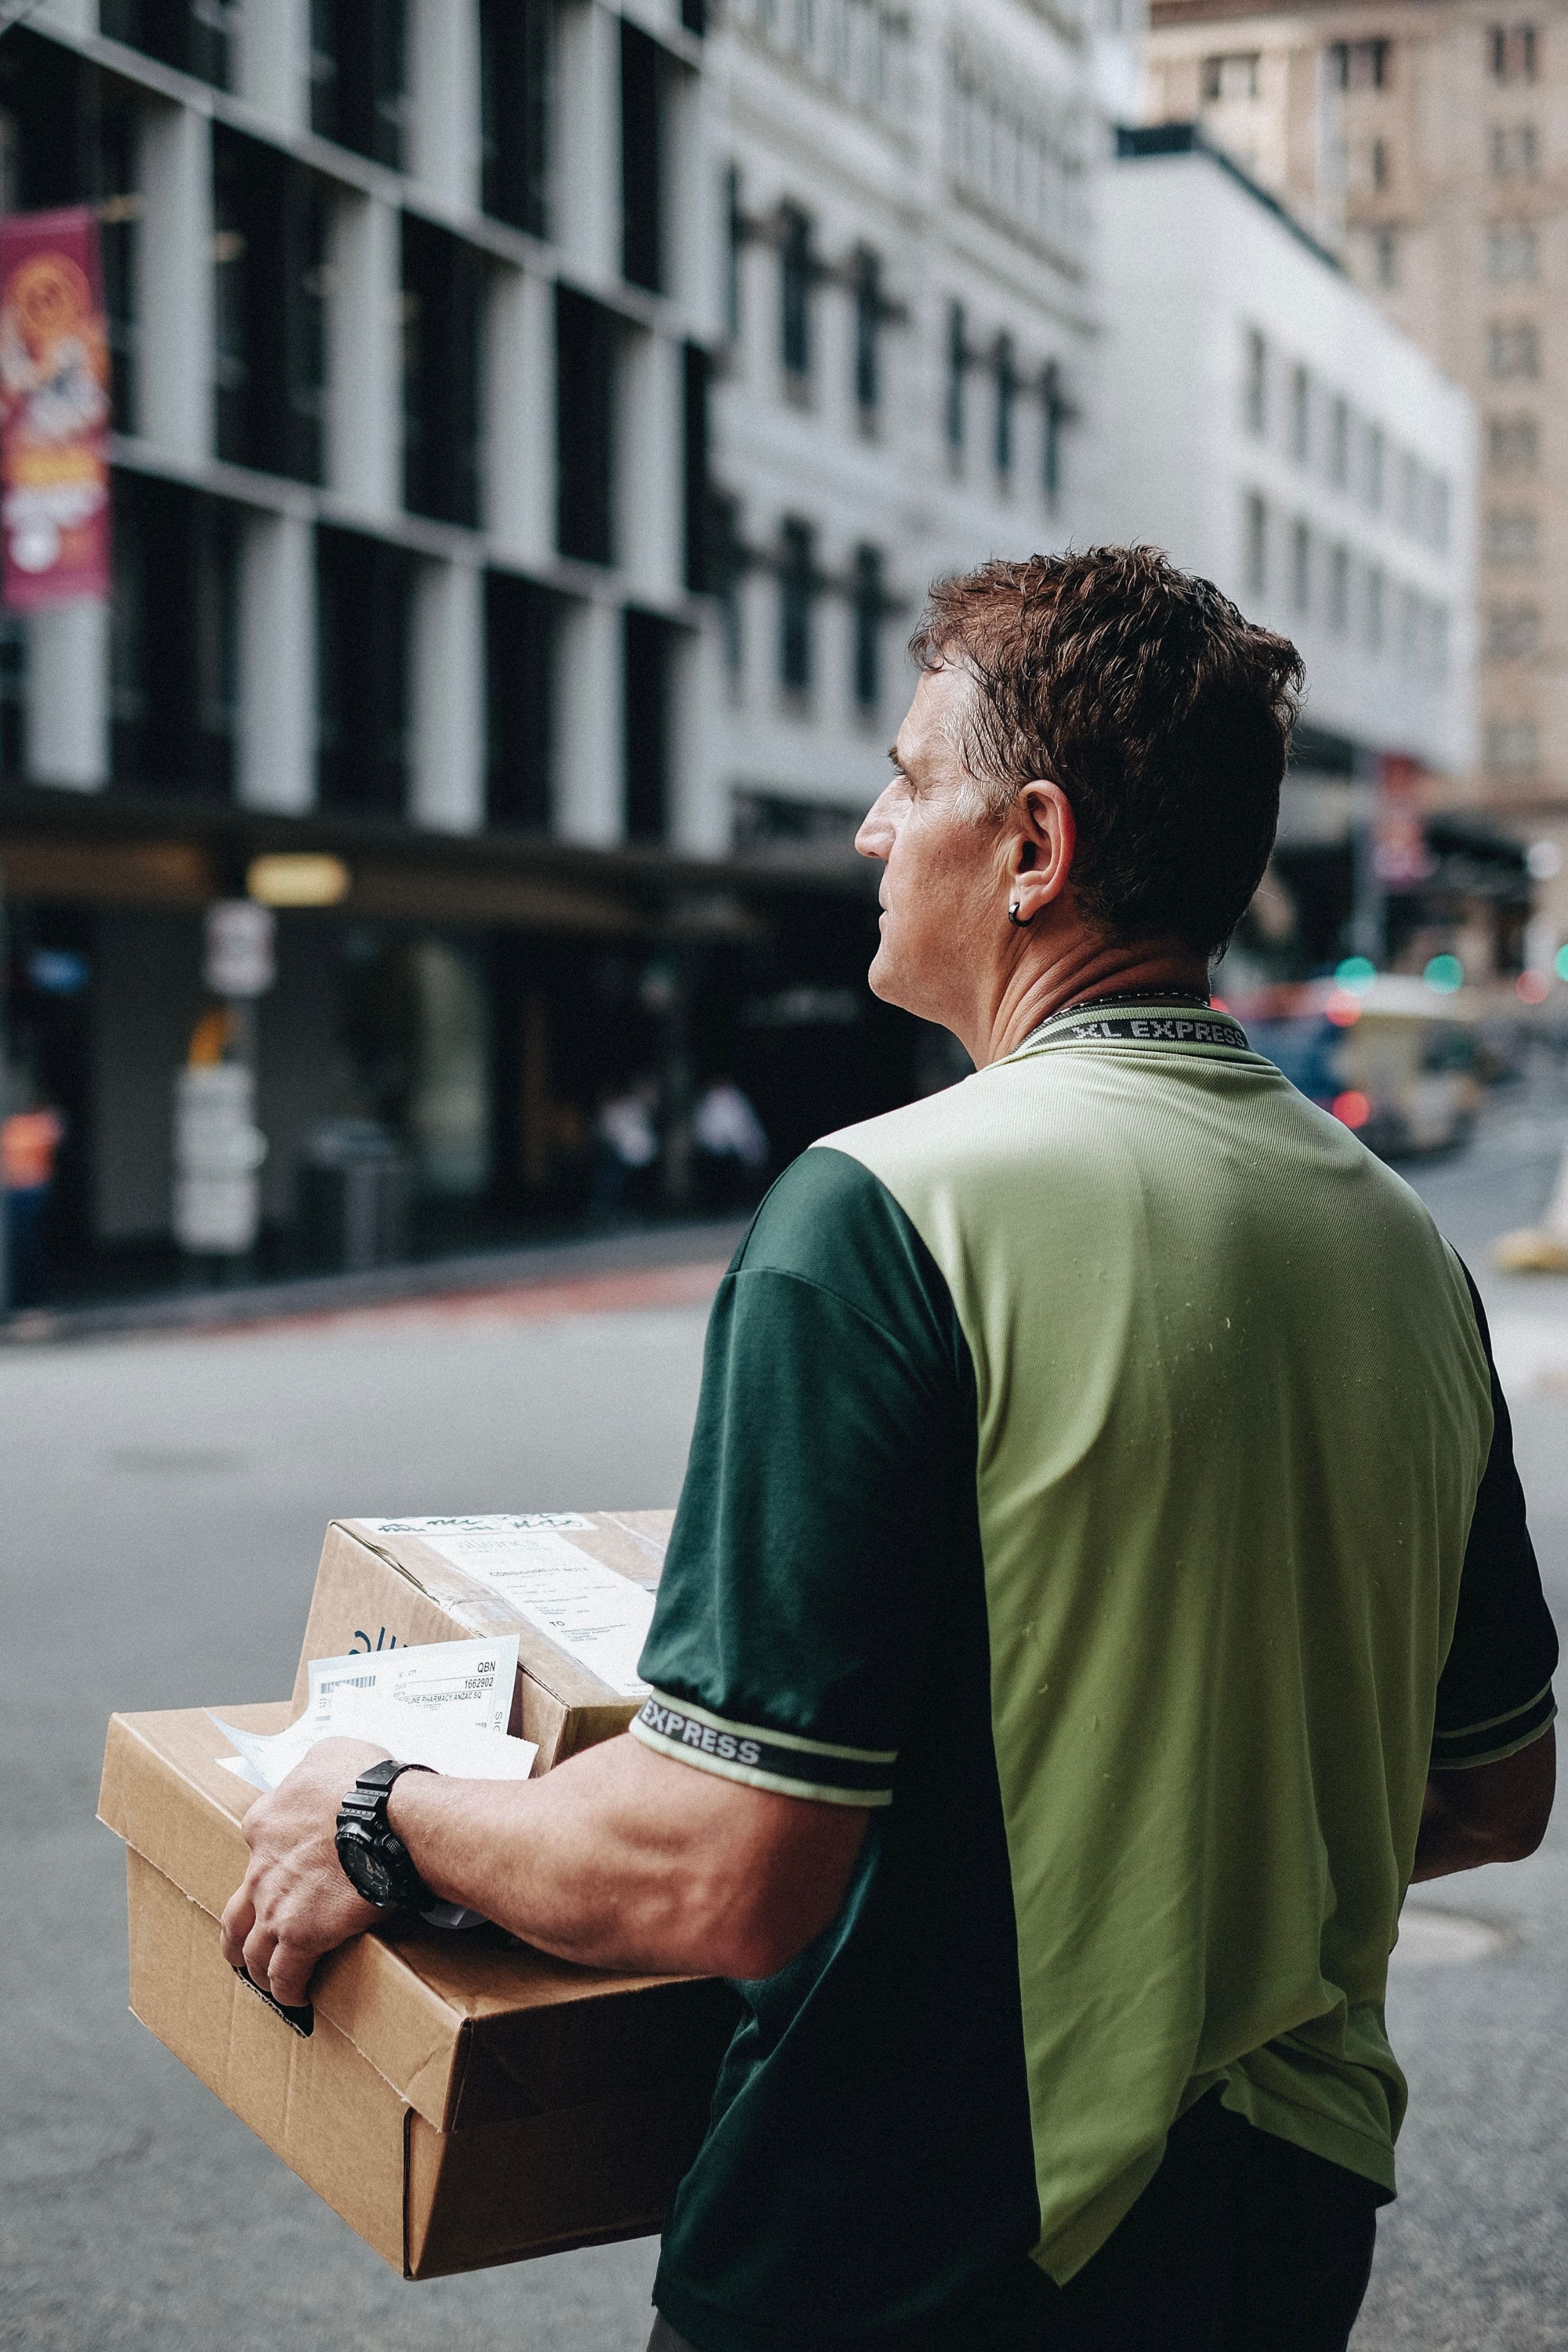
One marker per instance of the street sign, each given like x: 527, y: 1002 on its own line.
x: 239, y: 958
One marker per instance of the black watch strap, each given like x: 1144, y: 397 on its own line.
x: 374, y: 1858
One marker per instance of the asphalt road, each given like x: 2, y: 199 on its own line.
x: 163, y: 1501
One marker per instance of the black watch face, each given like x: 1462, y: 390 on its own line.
x: 369, y: 1873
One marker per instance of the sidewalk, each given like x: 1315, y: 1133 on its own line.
x: 645, y: 1267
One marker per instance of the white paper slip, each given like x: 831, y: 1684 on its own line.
x: 600, y: 1619
x: 466, y: 1750
x: 466, y: 1682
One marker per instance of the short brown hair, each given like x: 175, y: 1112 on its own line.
x: 1163, y: 714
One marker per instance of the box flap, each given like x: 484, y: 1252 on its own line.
x: 465, y: 2021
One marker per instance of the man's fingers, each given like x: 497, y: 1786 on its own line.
x: 238, y: 1919
x: 289, y: 1975
x: 257, y: 1956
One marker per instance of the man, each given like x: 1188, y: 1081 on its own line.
x: 1099, y: 1585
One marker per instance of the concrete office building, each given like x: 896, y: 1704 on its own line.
x: 904, y: 382
x: 411, y: 305
x: 1427, y: 143
x: 1275, y: 432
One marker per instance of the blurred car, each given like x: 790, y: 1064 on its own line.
x: 1394, y: 1059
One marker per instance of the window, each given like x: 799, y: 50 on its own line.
x: 642, y: 140
x: 194, y: 36
x: 648, y: 661
x: 1339, y: 590
x: 1438, y: 502
x: 586, y: 347
x: 868, y: 309
x: 1300, y: 568
x: 796, y: 600
x: 868, y: 605
x: 1513, y: 632
x: 1359, y: 65
x: 13, y: 694
x: 358, y: 75
x: 695, y: 483
x: 1255, y: 394
x: 1059, y: 414
x: 1412, y: 485
x: 1440, y: 642
x: 1515, y: 151
x: 1512, y: 257
x: 957, y: 364
x: 797, y: 278
x: 727, y: 563
x: 443, y: 298
x: 1005, y: 383
x: 516, y: 62
x: 1513, y: 536
x: 269, y: 358
x: 734, y: 243
x: 1513, y: 445
x: 1377, y: 164
x: 1514, y: 349
x: 174, y: 640
x: 521, y: 624
x: 1377, y: 447
x: 1512, y: 48
x: 1300, y: 414
x: 1255, y: 544
x: 1234, y: 75
x: 1385, y: 257
x: 1375, y: 599
x: 364, y: 599
x: 1511, y: 747
x: 1339, y: 443
x: 1410, y: 611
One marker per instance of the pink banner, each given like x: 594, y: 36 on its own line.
x: 54, y: 409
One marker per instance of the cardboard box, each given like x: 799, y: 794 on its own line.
x: 382, y: 1582
x: 460, y: 2100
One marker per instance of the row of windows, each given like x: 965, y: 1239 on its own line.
x: 1512, y: 53
x: 358, y: 99
x: 1017, y: 153
x: 1513, y: 632
x: 1321, y: 430
x: 1513, y: 535
x: 802, y: 584
x: 1513, y: 445
x: 860, y: 49
x: 1513, y: 252
x: 1326, y: 582
x: 1513, y: 349
x: 1012, y: 389
x: 174, y: 669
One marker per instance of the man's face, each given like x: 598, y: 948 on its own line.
x: 944, y: 890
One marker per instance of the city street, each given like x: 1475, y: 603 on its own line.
x: 164, y: 1500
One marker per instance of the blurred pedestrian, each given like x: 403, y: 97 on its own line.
x: 29, y: 1143
x: 729, y: 1144
x: 625, y: 1151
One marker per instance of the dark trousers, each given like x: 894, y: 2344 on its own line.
x: 1240, y: 2243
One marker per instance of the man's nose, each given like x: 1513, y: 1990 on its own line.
x: 874, y: 838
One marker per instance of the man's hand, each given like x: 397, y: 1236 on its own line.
x: 295, y: 1903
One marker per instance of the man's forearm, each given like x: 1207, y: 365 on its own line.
x: 621, y: 1859
x: 1493, y: 1812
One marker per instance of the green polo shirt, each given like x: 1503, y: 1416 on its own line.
x: 1084, y: 1482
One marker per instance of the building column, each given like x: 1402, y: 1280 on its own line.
x: 79, y: 16
x: 174, y: 352
x: 275, y: 61
x: 591, y: 741
x: 519, y: 416
x: 277, y: 664
x: 449, y: 697
x: 588, y: 178
x: 68, y: 696
x: 364, y: 419
x: 443, y: 47
x: 699, y: 809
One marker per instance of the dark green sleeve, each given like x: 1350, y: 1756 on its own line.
x: 1495, y: 1693
x: 833, y: 1458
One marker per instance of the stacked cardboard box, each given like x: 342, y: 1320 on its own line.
x: 460, y: 2100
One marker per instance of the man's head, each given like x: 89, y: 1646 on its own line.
x: 1097, y: 740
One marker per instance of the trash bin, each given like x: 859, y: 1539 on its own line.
x: 352, y: 1195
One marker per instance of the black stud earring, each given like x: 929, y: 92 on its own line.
x: 1023, y: 921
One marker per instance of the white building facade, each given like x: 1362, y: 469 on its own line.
x: 906, y: 380
x: 1273, y: 432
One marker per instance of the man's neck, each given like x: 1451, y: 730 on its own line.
x: 1085, y: 968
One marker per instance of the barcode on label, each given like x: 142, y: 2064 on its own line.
x: 348, y: 1682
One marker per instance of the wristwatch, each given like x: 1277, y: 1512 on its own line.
x: 374, y: 1858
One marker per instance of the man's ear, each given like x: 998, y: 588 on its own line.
x: 1045, y: 841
